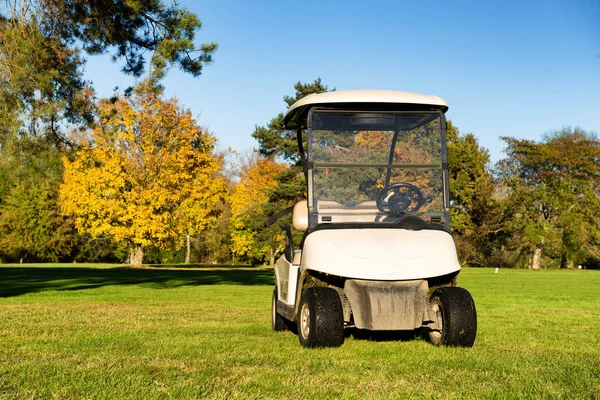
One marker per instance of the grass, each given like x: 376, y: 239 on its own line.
x: 87, y: 331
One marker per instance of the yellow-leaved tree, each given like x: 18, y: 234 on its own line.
x: 148, y: 176
x: 249, y: 237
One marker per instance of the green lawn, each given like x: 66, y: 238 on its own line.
x: 86, y: 331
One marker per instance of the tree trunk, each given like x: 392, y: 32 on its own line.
x: 187, y: 251
x: 272, y: 253
x: 136, y: 256
x: 536, y: 258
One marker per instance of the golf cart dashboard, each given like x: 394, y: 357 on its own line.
x: 383, y: 220
x: 367, y: 212
x: 409, y: 222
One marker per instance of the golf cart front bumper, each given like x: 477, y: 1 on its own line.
x: 387, y: 306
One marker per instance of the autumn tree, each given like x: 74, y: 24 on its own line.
x: 148, y: 176
x: 249, y: 237
x: 44, y: 96
x: 553, y: 206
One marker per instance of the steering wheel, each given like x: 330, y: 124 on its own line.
x: 399, y: 198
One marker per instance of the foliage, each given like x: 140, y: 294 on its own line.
x: 274, y: 139
x: 44, y: 97
x: 147, y: 178
x: 554, y: 205
x: 214, y: 244
x: 129, y: 29
x: 474, y: 212
x: 249, y: 237
x: 102, y: 248
x: 41, y: 62
x: 41, y: 84
x: 31, y: 225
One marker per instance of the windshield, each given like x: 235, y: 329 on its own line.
x: 376, y: 167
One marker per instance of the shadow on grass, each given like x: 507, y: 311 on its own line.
x: 15, y: 281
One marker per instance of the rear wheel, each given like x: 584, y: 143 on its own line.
x: 456, y: 317
x: 320, y: 318
x: 278, y: 323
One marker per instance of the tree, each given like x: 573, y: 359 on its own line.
x: 474, y: 212
x: 214, y: 245
x: 148, y: 177
x: 249, y: 237
x: 44, y: 96
x: 41, y: 65
x: 275, y: 141
x: 41, y: 85
x: 553, y: 207
x: 31, y: 225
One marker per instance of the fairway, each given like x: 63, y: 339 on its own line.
x: 93, y: 331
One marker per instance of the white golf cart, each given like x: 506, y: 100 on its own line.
x: 377, y: 253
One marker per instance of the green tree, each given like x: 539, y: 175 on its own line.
x: 41, y: 67
x: 553, y: 209
x: 474, y: 212
x: 214, y: 244
x: 32, y: 227
x: 275, y: 141
x: 35, y: 229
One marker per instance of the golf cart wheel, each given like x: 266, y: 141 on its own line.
x: 320, y: 318
x: 456, y: 317
x: 278, y: 323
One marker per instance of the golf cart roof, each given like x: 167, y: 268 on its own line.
x: 359, y: 100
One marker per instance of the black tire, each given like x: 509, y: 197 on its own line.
x: 320, y: 318
x: 278, y: 323
x: 457, y: 316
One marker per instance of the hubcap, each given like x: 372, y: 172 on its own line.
x: 305, y: 321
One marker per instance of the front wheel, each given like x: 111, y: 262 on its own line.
x: 456, y: 317
x: 320, y: 318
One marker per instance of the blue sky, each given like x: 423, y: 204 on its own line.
x: 511, y: 68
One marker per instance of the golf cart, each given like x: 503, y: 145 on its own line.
x: 377, y: 253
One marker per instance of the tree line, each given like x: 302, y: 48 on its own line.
x: 136, y: 179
